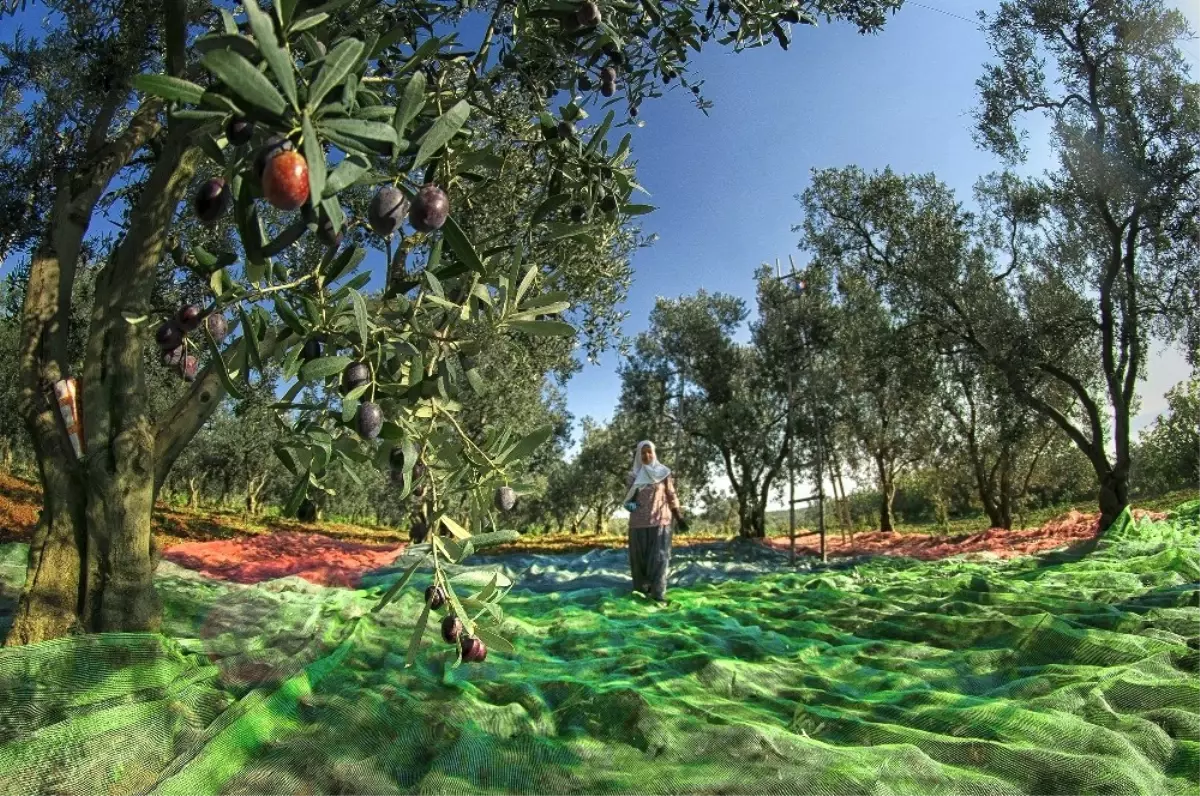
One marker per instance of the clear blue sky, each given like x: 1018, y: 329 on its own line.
x: 725, y: 184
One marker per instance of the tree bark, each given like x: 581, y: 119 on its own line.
x: 887, y: 491
x: 1114, y: 497
x: 1004, y: 502
x: 120, y: 432
x: 254, y: 488
x: 52, y: 598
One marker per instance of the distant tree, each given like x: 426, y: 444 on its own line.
x: 1167, y: 454
x: 795, y: 333
x: 601, y: 468
x: 1116, y: 229
x: 688, y: 381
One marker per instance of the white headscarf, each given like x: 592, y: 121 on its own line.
x: 647, y: 474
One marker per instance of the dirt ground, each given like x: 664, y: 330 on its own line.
x: 1070, y: 528
x: 226, y: 546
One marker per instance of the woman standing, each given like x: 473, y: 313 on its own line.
x: 652, y: 504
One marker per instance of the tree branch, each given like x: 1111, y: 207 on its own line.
x: 175, y: 22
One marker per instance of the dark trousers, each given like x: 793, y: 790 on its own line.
x: 649, y: 559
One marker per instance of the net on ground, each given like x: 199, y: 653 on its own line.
x: 1037, y: 675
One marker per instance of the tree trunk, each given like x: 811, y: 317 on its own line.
x: 1114, y: 497
x: 845, y: 502
x: 751, y: 518
x: 1004, y: 492
x: 92, y: 564
x: 254, y: 488
x: 72, y: 561
x: 193, y: 492
x: 50, y: 604
x: 985, y: 484
x: 887, y: 491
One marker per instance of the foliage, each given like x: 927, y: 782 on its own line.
x: 1167, y: 455
x: 1056, y: 284
x: 707, y: 400
x: 368, y: 95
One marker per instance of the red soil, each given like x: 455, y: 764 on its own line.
x: 222, y: 546
x: 1068, y: 529
x: 318, y: 559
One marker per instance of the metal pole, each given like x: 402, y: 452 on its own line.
x: 821, y: 487
x: 791, y: 477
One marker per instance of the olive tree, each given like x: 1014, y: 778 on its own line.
x: 290, y: 107
x: 706, y: 398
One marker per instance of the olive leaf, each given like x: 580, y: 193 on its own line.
x: 240, y: 75
x: 169, y: 88
x: 323, y: 368
x: 411, y: 103
x: 275, y: 56
x: 454, y: 528
x: 399, y: 584
x: 362, y: 129
x: 493, y: 640
x: 463, y: 249
x: 360, y: 315
x: 418, y: 633
x: 445, y: 128
x: 309, y: 21
x: 338, y: 63
x: 284, y: 9
x: 527, y: 445
x: 289, y: 316
x: 543, y: 328
x: 345, y: 261
x: 315, y: 155
x: 219, y: 362
x: 350, y: 169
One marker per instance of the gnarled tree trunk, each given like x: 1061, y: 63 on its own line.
x: 92, y: 560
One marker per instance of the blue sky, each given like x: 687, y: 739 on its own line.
x: 725, y: 184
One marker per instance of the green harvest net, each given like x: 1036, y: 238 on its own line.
x: 1051, y: 675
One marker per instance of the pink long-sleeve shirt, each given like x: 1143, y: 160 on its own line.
x: 655, y: 503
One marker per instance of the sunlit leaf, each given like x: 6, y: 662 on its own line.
x: 247, y: 82
x: 323, y: 368
x: 543, y: 328
x: 445, y: 128
x: 315, y: 156
x: 343, y: 59
x: 169, y: 88
x: 276, y: 57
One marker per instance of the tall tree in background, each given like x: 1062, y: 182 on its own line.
x: 1000, y: 440
x: 1125, y: 119
x: 601, y: 467
x: 688, y: 380
x: 886, y: 368
x: 1067, y: 277
x: 794, y: 334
